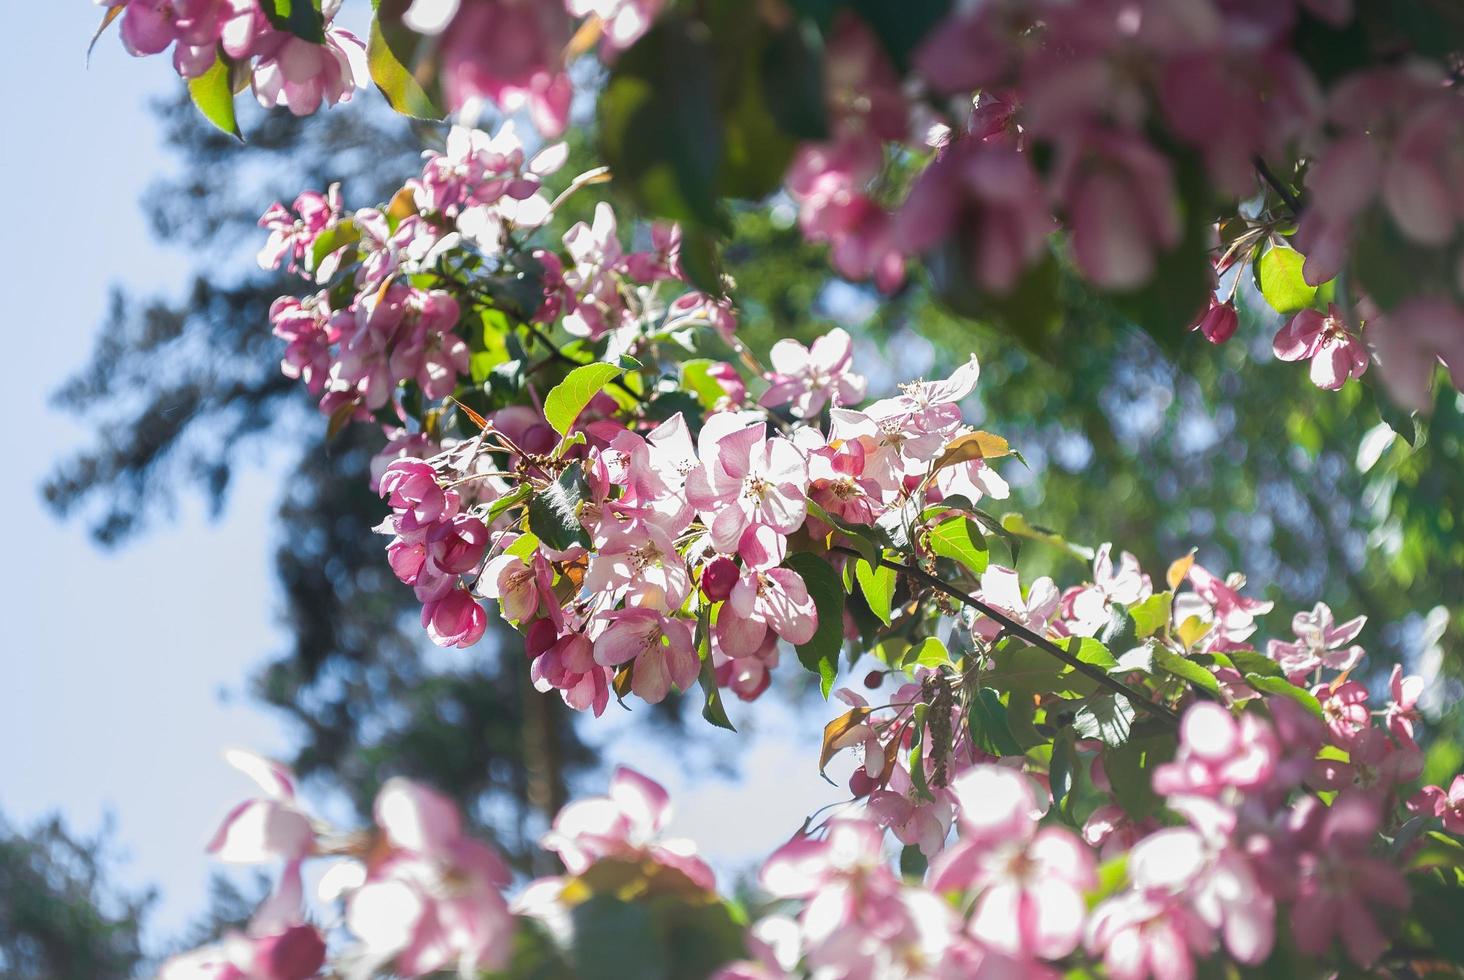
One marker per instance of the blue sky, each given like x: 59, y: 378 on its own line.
x: 124, y: 670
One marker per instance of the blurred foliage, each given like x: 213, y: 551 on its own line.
x: 59, y: 920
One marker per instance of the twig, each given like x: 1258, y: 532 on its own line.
x: 1015, y: 628
x: 1284, y: 192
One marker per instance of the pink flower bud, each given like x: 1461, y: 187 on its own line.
x: 1219, y: 322
x: 295, y: 954
x: 541, y: 635
x: 718, y: 579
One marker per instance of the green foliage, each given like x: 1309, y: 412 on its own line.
x: 1278, y: 275
x: 567, y: 399
x: 554, y: 511
x: 301, y: 18
x: 961, y: 540
x: 820, y: 655
x: 213, y: 94
x: 390, y: 50
x: 877, y: 584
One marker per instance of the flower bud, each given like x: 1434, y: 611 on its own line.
x: 540, y: 636
x: 295, y: 954
x: 1219, y: 322
x: 718, y: 578
x: 860, y: 783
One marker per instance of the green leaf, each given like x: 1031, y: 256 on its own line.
x: 1020, y: 526
x: 1278, y: 274
x: 696, y: 376
x: 517, y: 495
x: 820, y: 655
x: 1060, y: 768
x: 1106, y: 717
x: 861, y: 537
x: 1186, y: 669
x: 713, y: 710
x: 301, y: 18
x: 214, y: 97
x: 554, y: 511
x: 1031, y: 312
x: 1034, y: 671
x: 961, y: 540
x: 385, y: 56
x: 568, y: 399
x: 615, y: 939
x: 1283, y: 687
x: 1090, y: 651
x: 1250, y: 662
x: 1130, y: 770
x: 338, y: 236
x: 912, y: 862
x: 929, y: 652
x: 987, y: 718
x: 917, y: 754
x: 1112, y: 875
x: 1151, y: 615
x: 877, y: 583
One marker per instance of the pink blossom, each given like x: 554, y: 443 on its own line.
x: 1030, y: 881
x: 1447, y: 806
x: 1319, y: 643
x: 411, y: 489
x: 774, y: 600
x: 455, y: 620
x: 1218, y: 752
x: 660, y: 647
x: 276, y: 944
x: 744, y: 481
x: 1118, y: 194
x: 1219, y: 322
x: 622, y: 22
x: 639, y: 563
x: 1202, y: 865
x: 1233, y: 614
x: 1001, y: 588
x: 988, y: 200
x: 434, y: 900
x: 293, y: 231
x: 1375, y: 764
x: 309, y: 330
x: 1402, y: 711
x: 1140, y: 935
x: 1409, y: 344
x: 266, y: 828
x: 809, y: 377
x: 523, y: 588
x: 1088, y: 609
x: 1335, y: 354
x: 510, y: 54
x: 569, y: 666
x: 1344, y: 709
x: 1341, y: 888
x: 627, y: 825
x: 292, y: 72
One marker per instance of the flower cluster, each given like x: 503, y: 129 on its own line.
x: 281, y: 67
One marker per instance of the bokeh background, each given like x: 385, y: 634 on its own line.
x: 188, y: 565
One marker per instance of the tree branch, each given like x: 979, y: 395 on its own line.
x: 1293, y: 203
x: 1096, y: 674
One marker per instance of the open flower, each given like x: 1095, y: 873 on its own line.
x: 745, y: 480
x: 659, y: 646
x: 266, y: 828
x: 1335, y: 354
x: 809, y: 377
x: 1320, y: 642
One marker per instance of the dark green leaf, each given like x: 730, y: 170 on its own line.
x: 1283, y: 687
x: 1187, y: 669
x: 1130, y: 770
x: 554, y: 511
x: 615, y: 939
x: 912, y: 862
x: 988, y: 723
x: 301, y: 18
x: 820, y: 655
x: 713, y: 710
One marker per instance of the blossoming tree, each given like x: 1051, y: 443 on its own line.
x: 1109, y: 777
